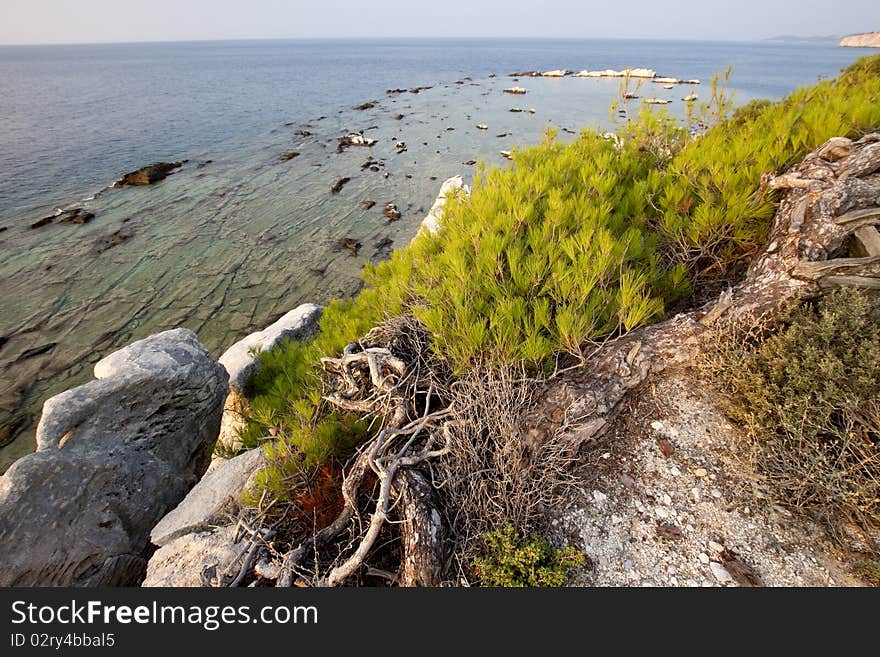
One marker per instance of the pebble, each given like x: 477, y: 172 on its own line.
x: 704, y: 558
x: 700, y: 472
x: 675, y: 472
x: 716, y: 547
x: 662, y: 512
x: 599, y: 497
x: 657, y: 425
x: 720, y: 573
x: 716, y: 493
x: 666, y: 499
x: 695, y: 494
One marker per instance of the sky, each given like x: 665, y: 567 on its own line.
x: 102, y: 21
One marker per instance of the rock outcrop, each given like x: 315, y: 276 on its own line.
x: 148, y: 175
x: 197, y: 539
x: 192, y: 560
x: 431, y: 223
x: 242, y: 362
x: 113, y: 457
x: 202, y: 508
x: 866, y: 40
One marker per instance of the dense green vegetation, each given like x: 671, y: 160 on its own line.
x: 809, y: 397
x: 572, y: 244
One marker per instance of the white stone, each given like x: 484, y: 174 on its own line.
x: 241, y: 361
x: 720, y: 573
x: 432, y: 222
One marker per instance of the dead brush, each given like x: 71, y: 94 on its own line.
x: 808, y: 395
x: 497, y: 472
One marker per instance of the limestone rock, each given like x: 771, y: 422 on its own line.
x: 192, y: 560
x: 113, y: 456
x: 241, y: 362
x: 208, y: 498
x: 431, y: 223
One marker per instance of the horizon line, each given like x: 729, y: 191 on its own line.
x: 417, y: 38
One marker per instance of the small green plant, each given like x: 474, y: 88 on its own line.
x: 512, y: 561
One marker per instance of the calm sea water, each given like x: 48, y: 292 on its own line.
x: 237, y: 237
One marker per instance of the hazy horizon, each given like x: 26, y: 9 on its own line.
x: 51, y: 22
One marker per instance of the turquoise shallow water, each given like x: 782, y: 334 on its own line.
x: 237, y: 237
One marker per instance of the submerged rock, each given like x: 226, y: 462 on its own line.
x: 354, y: 139
x: 45, y: 221
x: 77, y: 216
x: 113, y: 456
x: 392, y: 212
x: 148, y: 175
x: 352, y: 245
x: 339, y: 184
x: 289, y: 155
x: 515, y: 90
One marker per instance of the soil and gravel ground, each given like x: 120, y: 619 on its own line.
x: 662, y: 502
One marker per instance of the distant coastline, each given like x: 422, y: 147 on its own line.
x: 817, y: 40
x: 866, y: 40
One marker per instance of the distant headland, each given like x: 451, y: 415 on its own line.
x: 866, y: 40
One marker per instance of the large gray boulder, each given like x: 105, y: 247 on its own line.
x: 113, y: 457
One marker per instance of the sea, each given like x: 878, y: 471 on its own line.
x: 238, y: 236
